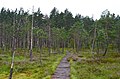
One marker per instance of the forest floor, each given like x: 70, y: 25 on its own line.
x: 25, y: 69
x: 84, y: 66
x: 74, y: 65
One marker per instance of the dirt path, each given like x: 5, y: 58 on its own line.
x: 63, y: 69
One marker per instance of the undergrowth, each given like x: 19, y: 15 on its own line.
x: 107, y: 67
x: 24, y: 69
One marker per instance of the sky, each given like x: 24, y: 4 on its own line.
x: 91, y: 8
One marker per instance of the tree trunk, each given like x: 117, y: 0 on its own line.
x: 12, y: 63
x: 31, y: 42
x: 13, y: 50
x: 98, y: 47
x: 106, y: 48
x: 49, y: 40
x: 118, y: 42
x: 40, y: 49
x: 63, y: 46
x: 13, y: 54
x: 105, y: 51
x: 2, y: 39
x: 93, y: 42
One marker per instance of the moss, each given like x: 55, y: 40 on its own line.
x: 24, y: 69
x: 0, y: 58
x: 103, y: 68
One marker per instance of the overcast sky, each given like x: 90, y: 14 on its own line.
x: 83, y: 7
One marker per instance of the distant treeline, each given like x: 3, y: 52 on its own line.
x: 59, y: 30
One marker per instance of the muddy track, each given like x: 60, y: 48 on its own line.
x: 63, y: 69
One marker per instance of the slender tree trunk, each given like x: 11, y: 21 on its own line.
x: 31, y: 42
x: 106, y: 48
x: 118, y: 46
x: 24, y: 40
x: 107, y: 41
x: 105, y: 51
x: 12, y: 63
x: 2, y: 39
x: 3, y: 46
x: 11, y: 69
x: 40, y: 49
x: 13, y: 54
x: 74, y: 45
x: 63, y: 45
x: 118, y: 42
x: 49, y: 39
x: 28, y: 40
x: 58, y: 46
x: 93, y: 42
x: 13, y: 49
x: 77, y: 45
x: 98, y: 47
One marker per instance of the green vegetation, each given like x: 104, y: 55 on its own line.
x: 33, y: 44
x: 98, y: 67
x: 24, y: 69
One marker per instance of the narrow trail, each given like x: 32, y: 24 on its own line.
x: 63, y: 69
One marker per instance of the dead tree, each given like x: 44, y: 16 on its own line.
x: 12, y: 63
x: 13, y: 48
